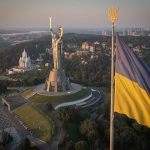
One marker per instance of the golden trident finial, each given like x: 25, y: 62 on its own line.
x: 113, y: 14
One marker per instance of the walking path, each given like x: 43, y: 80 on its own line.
x: 88, y: 101
x: 55, y: 139
x: 73, y: 102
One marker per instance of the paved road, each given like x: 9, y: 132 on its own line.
x: 92, y: 103
x: 55, y: 139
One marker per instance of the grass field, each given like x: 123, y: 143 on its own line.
x: 38, y: 122
x: 57, y: 99
x: 27, y: 92
x: 12, y: 91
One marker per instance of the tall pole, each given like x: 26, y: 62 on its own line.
x: 50, y: 23
x: 113, y: 15
x: 112, y: 94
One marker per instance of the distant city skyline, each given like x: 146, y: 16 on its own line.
x: 72, y: 13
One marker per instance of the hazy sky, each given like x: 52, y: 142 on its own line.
x: 72, y: 13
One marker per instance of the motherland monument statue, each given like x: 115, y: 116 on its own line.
x: 57, y: 80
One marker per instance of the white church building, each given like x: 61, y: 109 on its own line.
x: 24, y: 61
x: 24, y: 64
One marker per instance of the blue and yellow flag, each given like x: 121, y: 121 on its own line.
x: 132, y: 85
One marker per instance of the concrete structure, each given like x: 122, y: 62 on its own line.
x: 40, y: 91
x: 57, y: 80
x: 13, y: 102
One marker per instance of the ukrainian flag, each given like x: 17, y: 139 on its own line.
x: 132, y: 85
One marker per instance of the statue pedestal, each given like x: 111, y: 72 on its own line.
x: 57, y: 81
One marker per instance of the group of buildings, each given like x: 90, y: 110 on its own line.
x: 25, y: 62
x: 92, y: 50
x: 129, y: 32
x: 85, y: 49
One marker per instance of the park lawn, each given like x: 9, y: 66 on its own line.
x: 12, y: 91
x: 37, y: 121
x: 27, y: 92
x: 57, y: 99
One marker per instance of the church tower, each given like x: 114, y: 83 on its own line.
x: 24, y: 61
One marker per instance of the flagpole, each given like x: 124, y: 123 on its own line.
x: 112, y: 94
x: 113, y: 15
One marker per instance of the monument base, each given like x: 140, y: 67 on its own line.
x: 39, y: 89
x: 57, y: 81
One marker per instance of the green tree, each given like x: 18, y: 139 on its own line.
x: 63, y: 116
x: 87, y: 126
x: 69, y: 145
x: 81, y: 145
x: 25, y: 144
x: 3, y: 86
x: 49, y: 106
x: 92, y: 136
